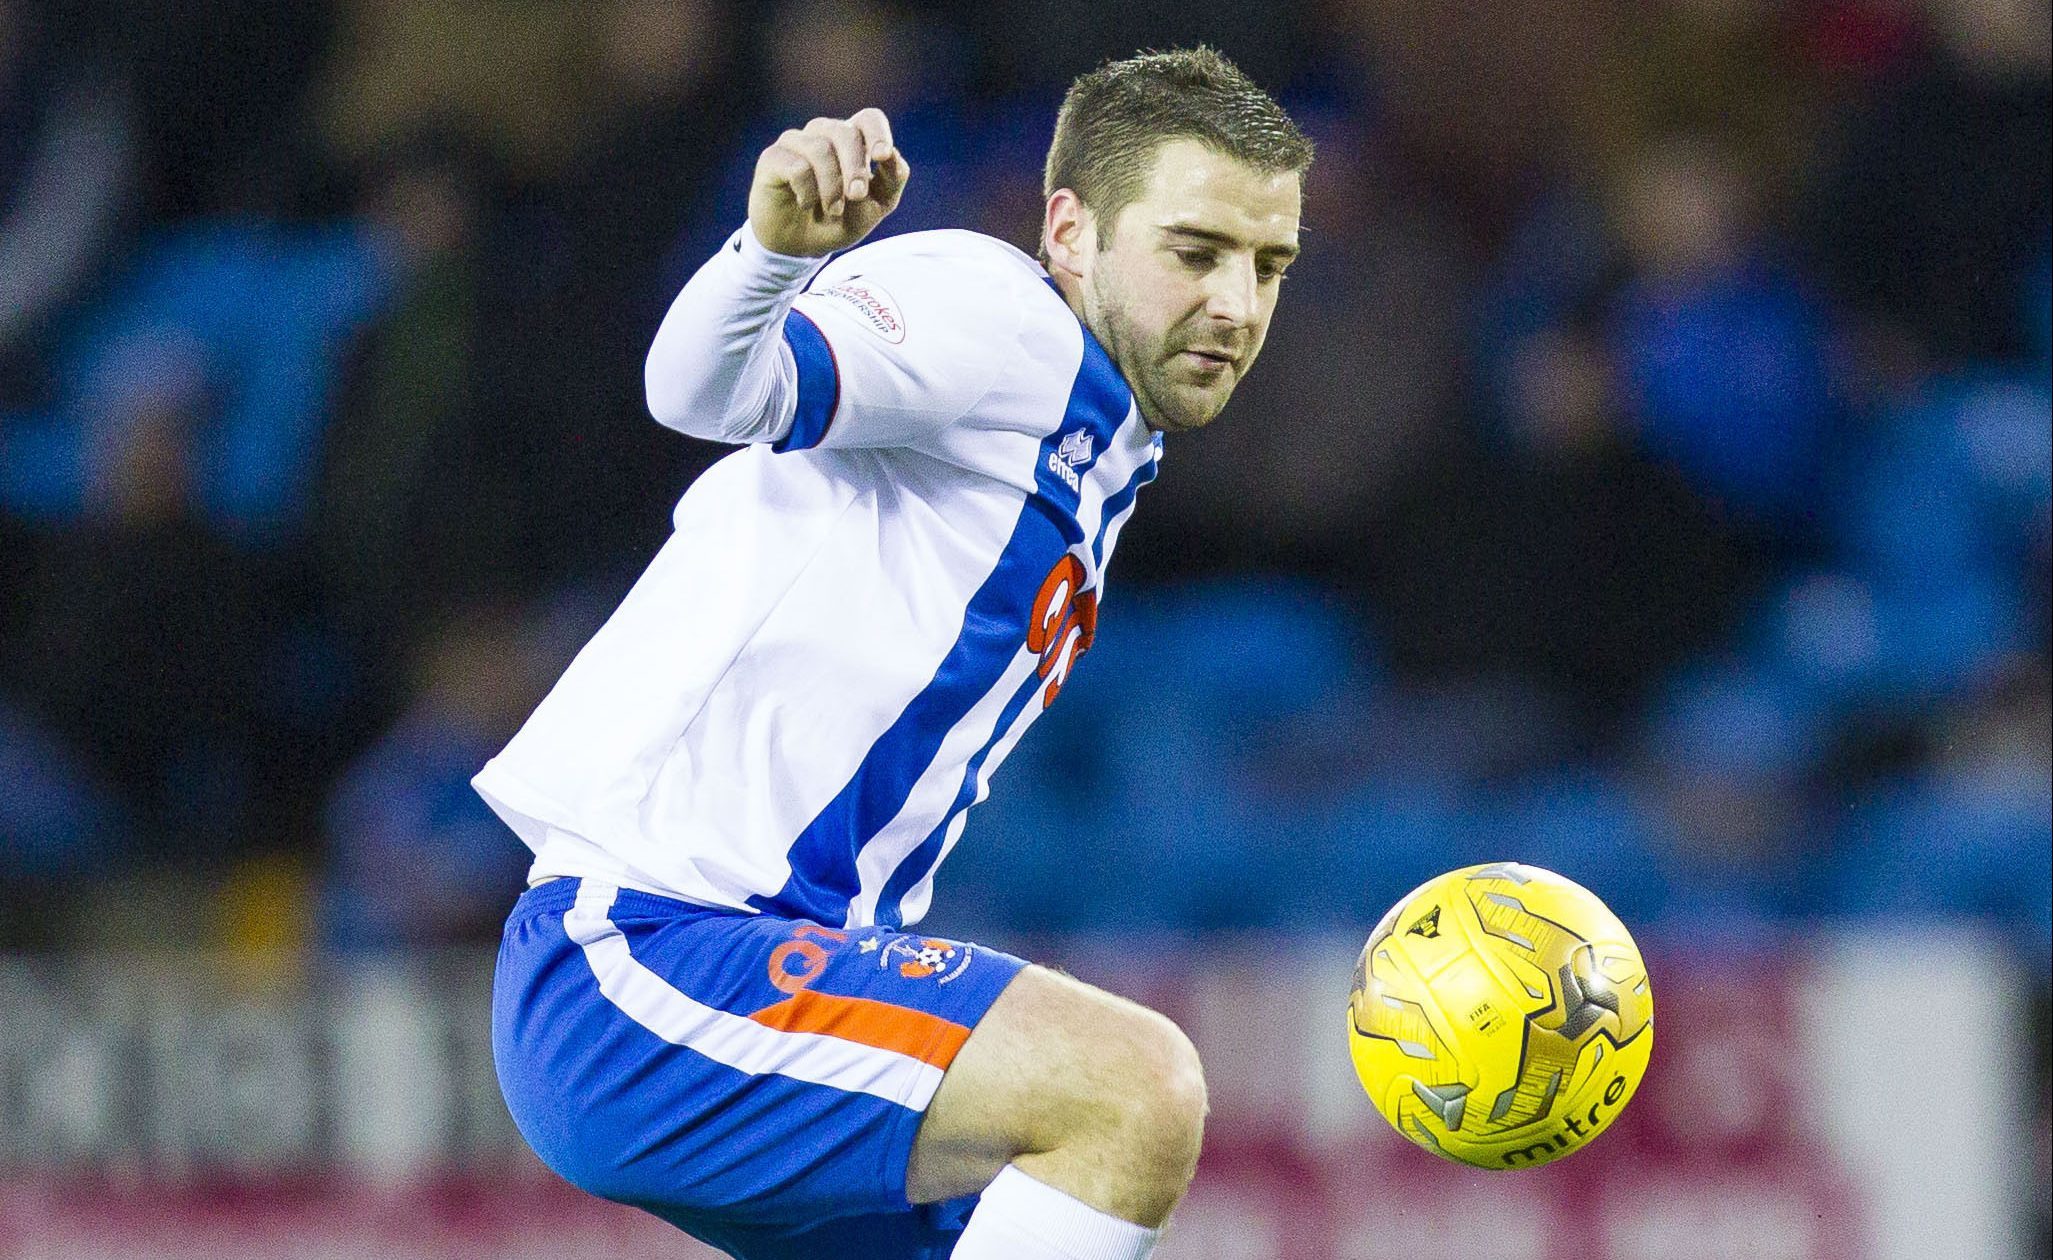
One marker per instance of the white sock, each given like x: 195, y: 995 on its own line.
x: 1019, y: 1218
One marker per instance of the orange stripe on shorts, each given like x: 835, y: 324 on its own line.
x: 866, y: 1021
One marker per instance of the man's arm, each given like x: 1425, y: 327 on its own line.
x: 724, y: 365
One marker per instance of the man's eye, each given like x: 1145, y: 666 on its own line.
x: 1266, y: 274
x: 1195, y: 257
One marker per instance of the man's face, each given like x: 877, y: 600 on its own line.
x: 1181, y: 289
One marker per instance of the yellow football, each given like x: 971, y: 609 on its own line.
x: 1501, y: 1016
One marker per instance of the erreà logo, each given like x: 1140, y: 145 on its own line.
x: 875, y: 309
x: 1062, y: 461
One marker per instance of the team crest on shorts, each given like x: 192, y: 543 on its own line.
x: 921, y: 958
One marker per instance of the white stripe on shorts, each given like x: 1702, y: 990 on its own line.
x: 734, y: 1040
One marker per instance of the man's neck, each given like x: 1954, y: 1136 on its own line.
x: 1072, y: 292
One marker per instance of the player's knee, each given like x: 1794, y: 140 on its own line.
x: 1088, y: 1070
x: 1171, y: 1096
x: 1151, y: 1117
x: 1150, y: 1105
x: 1080, y: 1088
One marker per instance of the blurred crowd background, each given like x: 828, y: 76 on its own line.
x: 1648, y: 475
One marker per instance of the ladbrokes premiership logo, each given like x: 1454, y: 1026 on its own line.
x: 872, y: 306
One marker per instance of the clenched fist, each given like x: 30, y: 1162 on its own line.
x: 825, y: 187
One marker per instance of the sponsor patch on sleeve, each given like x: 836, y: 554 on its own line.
x: 872, y: 307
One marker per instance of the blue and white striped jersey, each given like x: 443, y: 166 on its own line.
x: 859, y: 614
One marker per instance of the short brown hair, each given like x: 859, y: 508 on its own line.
x: 1115, y: 118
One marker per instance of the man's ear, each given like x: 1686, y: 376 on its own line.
x: 1067, y: 232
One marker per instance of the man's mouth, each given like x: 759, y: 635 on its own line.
x: 1210, y: 358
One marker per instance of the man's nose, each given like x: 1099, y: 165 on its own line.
x: 1231, y: 298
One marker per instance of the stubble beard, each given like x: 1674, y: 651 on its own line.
x: 1147, y: 377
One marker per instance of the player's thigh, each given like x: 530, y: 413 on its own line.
x: 1054, y: 1062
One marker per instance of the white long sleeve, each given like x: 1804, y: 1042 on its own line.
x: 720, y: 368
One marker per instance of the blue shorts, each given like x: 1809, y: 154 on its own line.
x: 756, y: 1081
